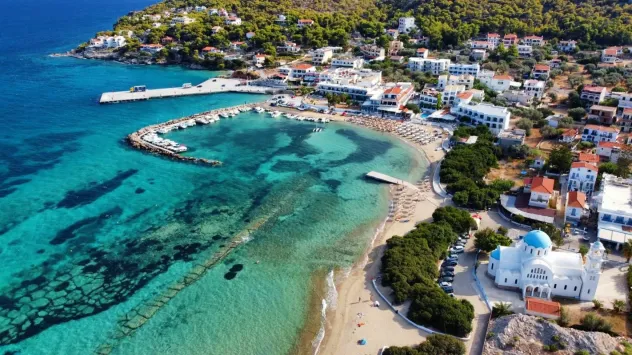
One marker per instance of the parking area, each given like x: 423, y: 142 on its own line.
x: 464, y: 287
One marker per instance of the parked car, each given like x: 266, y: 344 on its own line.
x: 448, y: 289
x: 446, y: 279
x: 460, y: 243
x: 586, y: 237
x: 449, y: 263
x: 457, y: 249
x: 445, y: 284
x: 448, y: 268
x: 447, y: 273
x: 465, y: 236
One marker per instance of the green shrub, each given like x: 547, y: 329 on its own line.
x: 409, y: 267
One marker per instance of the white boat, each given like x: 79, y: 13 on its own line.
x: 164, y: 130
x: 259, y: 109
x: 224, y: 115
x: 183, y: 125
x: 179, y: 149
x: 275, y: 114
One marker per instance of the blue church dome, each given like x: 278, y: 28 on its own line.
x: 537, y: 239
x: 495, y: 254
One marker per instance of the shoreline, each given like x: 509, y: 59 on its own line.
x: 356, y: 293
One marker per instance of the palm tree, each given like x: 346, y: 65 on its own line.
x: 627, y: 250
x: 501, y: 309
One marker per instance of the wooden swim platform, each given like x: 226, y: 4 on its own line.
x: 391, y: 180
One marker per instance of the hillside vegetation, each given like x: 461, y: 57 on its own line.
x: 449, y: 22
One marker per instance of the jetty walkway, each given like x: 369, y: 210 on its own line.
x: 211, y: 86
x: 391, y: 180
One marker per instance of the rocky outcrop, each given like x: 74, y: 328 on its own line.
x: 522, y: 334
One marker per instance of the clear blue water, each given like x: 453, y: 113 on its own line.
x: 91, y: 229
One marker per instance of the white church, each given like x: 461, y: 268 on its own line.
x: 537, y: 271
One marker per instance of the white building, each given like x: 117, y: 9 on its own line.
x: 525, y: 50
x: 233, y: 21
x: 494, y: 117
x: 593, y: 94
x: 533, y: 40
x: 463, y: 69
x: 289, y: 47
x: 485, y: 45
x: 496, y: 82
x: 567, y: 46
x: 610, y: 151
x: 611, y: 54
x: 614, y: 204
x: 406, y: 24
x: 576, y: 206
x: 390, y: 102
x: 465, y: 80
x: 532, y: 267
x: 534, y: 88
x: 594, y: 133
x: 360, y: 85
x: 493, y: 38
x: 181, y: 20
x: 108, y: 42
x: 542, y: 190
x: 582, y: 177
x: 433, y: 66
x: 322, y: 55
x: 478, y: 54
x: 422, y: 53
x: 429, y: 98
x: 450, y: 93
x: 516, y: 96
x: 353, y: 63
x: 373, y: 52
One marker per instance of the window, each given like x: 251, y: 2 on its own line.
x: 588, y: 292
x: 492, y: 266
x: 607, y: 218
x: 516, y: 282
x: 575, y: 289
x: 565, y: 286
x: 532, y: 251
x: 554, y: 285
x: 538, y: 252
x: 619, y: 220
x: 505, y: 280
x: 573, y: 212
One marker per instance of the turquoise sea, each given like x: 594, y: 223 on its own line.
x: 92, y: 230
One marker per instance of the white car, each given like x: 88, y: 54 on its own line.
x: 457, y: 249
x: 445, y: 284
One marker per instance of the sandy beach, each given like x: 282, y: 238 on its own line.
x: 381, y: 326
x: 355, y: 317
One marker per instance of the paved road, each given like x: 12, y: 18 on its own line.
x: 465, y: 288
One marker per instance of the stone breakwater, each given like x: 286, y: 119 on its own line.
x: 129, y: 323
x: 136, y: 139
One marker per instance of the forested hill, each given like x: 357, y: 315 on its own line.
x: 607, y: 22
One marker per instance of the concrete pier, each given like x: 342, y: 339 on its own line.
x: 391, y: 180
x: 211, y: 86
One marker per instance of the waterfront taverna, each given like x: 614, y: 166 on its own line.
x: 532, y: 267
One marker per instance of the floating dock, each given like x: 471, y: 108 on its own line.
x: 391, y: 180
x: 211, y: 86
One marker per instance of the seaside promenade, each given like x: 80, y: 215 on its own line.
x: 210, y: 86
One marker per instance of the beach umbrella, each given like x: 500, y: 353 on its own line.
x: 362, y: 341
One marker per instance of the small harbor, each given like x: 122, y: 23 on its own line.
x: 210, y: 86
x: 150, y: 138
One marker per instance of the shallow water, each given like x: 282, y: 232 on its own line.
x: 91, y: 229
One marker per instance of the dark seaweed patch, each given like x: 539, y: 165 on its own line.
x: 88, y: 195
x: 74, y: 229
x: 230, y: 275
x: 333, y: 184
x: 139, y: 190
x: 364, y: 146
x: 284, y: 166
x: 237, y: 267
